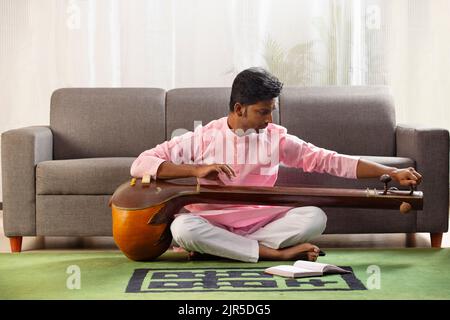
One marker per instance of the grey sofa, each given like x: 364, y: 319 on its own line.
x: 57, y: 179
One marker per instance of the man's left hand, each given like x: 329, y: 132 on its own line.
x: 406, y: 177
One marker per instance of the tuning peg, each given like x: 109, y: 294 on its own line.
x: 412, y: 188
x: 385, y: 178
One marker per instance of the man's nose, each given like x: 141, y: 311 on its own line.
x: 268, y: 119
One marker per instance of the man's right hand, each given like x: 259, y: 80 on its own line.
x: 211, y: 171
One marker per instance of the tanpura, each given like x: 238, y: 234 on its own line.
x: 143, y: 209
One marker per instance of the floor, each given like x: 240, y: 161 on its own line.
x: 386, y: 274
x: 400, y: 240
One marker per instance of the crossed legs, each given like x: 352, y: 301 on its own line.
x: 283, y: 239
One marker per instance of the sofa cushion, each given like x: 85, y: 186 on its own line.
x: 354, y: 120
x: 99, y: 176
x: 106, y: 122
x: 186, y: 105
x: 73, y: 215
x: 296, y: 177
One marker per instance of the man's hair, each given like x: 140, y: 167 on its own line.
x: 253, y: 85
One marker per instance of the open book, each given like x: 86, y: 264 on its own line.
x: 302, y: 268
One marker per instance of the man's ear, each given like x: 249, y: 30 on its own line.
x: 238, y: 109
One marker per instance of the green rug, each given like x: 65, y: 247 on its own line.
x: 377, y: 274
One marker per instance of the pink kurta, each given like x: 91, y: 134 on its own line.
x: 255, y: 157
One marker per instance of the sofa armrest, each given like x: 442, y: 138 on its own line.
x: 430, y: 150
x: 22, y: 149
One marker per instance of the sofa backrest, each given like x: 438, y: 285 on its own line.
x: 123, y: 122
x: 106, y: 122
x: 184, y: 106
x: 358, y: 120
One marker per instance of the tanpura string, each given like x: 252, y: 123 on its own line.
x: 198, y: 184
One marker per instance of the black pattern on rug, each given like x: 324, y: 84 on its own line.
x: 234, y: 279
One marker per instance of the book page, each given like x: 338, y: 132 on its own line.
x: 334, y: 269
x: 322, y: 267
x: 291, y: 271
x: 315, y: 266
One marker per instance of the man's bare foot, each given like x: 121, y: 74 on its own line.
x: 303, y: 251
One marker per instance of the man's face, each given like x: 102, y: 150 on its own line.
x: 256, y: 116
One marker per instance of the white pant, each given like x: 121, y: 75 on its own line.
x: 299, y: 225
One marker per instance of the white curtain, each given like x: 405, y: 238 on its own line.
x: 48, y: 44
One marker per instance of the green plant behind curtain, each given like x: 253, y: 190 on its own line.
x: 299, y: 64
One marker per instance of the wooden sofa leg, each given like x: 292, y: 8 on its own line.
x: 411, y: 240
x: 436, y: 240
x: 16, y: 244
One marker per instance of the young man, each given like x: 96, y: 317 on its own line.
x: 246, y: 148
